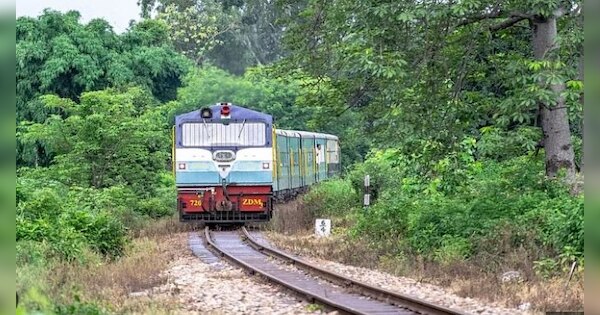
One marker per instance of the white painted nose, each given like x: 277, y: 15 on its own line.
x: 224, y: 169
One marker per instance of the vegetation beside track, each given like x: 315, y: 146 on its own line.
x: 461, y: 225
x: 447, y: 98
x: 91, y: 284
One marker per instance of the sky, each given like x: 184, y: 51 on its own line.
x: 117, y: 12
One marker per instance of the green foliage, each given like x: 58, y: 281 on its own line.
x: 80, y: 308
x: 511, y: 197
x: 32, y: 253
x: 194, y: 30
x: 69, y: 220
x: 109, y: 169
x: 379, y: 166
x: 63, y: 228
x: 453, y: 249
x: 386, y: 219
x: 230, y: 34
x: 34, y: 300
x: 435, y: 74
x: 56, y: 54
x: 545, y: 267
x: 334, y: 197
x: 314, y: 307
x: 564, y: 229
x: 109, y: 138
x: 255, y: 90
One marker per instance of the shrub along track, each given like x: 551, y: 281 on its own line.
x: 350, y: 296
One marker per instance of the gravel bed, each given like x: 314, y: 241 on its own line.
x: 425, y: 291
x: 411, y: 287
x: 199, y: 288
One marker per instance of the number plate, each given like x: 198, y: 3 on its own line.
x: 252, y: 202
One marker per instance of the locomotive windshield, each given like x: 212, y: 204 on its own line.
x: 250, y: 134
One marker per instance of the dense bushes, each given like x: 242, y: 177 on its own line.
x: 108, y: 172
x: 333, y: 197
x: 456, y: 207
x: 71, y: 220
x: 487, y: 198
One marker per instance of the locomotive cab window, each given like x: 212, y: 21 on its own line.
x: 249, y: 134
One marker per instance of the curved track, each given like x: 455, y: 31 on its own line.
x: 349, y: 296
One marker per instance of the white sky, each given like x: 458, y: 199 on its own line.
x: 117, y: 12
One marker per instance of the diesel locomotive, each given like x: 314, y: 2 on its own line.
x: 231, y: 163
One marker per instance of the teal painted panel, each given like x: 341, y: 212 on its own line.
x: 199, y: 172
x: 250, y: 177
x: 203, y: 166
x: 197, y: 178
x: 294, y: 148
x: 308, y: 145
x: 283, y: 180
x: 247, y: 166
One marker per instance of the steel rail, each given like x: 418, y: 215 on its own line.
x: 308, y: 295
x: 398, y: 299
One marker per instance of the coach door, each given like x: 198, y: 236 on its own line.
x: 320, y: 159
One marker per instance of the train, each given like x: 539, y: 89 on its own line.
x: 231, y: 163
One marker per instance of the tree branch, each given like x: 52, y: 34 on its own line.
x: 507, y: 23
x: 473, y: 19
x: 512, y: 18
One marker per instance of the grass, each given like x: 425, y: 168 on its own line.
x: 314, y: 307
x: 477, y: 277
x: 107, y: 285
x: 290, y: 217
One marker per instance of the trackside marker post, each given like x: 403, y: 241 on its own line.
x: 323, y: 227
x: 367, y: 198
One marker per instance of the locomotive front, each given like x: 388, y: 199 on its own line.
x: 223, y: 164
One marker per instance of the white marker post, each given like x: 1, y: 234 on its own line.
x: 367, y: 199
x: 323, y: 227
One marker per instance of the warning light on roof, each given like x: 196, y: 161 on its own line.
x: 225, y: 110
x: 225, y: 113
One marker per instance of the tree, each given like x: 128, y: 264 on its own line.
x: 232, y: 35
x: 109, y: 138
x: 290, y: 99
x: 424, y: 72
x: 195, y: 30
x: 56, y: 54
x: 543, y: 19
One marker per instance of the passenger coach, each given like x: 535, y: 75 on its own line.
x: 230, y: 163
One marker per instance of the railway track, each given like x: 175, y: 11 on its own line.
x: 337, y: 293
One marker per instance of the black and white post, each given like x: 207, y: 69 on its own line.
x: 367, y: 198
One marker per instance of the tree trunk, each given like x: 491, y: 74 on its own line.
x: 555, y: 118
x: 581, y: 125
